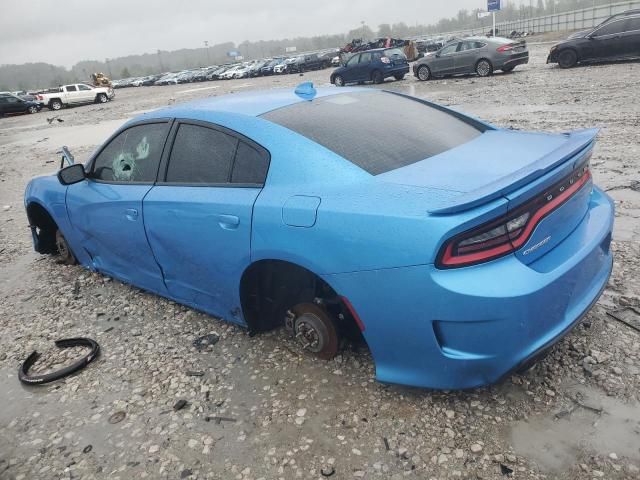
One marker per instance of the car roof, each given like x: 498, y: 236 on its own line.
x: 251, y: 104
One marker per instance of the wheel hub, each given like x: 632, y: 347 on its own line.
x: 61, y: 245
x: 307, y: 333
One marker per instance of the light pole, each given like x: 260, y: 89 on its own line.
x: 160, y: 61
x: 206, y: 46
x: 362, y: 23
x: 108, y: 67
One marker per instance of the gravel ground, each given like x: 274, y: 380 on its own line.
x: 260, y: 408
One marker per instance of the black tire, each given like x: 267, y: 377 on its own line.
x: 316, y: 330
x: 484, y: 68
x: 55, y: 104
x: 377, y: 77
x: 338, y: 81
x: 33, y: 109
x: 508, y: 69
x: 102, y: 98
x: 399, y: 77
x: 423, y: 73
x: 567, y: 58
x: 64, y: 251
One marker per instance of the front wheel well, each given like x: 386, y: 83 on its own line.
x: 44, y: 227
x: 270, y: 288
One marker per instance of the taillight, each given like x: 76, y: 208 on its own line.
x: 39, y: 97
x: 385, y: 60
x: 506, y: 48
x: 510, y: 232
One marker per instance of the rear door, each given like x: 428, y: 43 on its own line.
x: 631, y: 37
x: 198, y: 218
x: 70, y: 94
x: 106, y: 208
x: 607, y: 41
x: 467, y: 55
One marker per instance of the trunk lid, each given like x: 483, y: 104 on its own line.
x: 537, y: 173
x: 496, y: 163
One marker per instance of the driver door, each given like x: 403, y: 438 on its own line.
x: 85, y: 93
x: 106, y: 207
x: 444, y: 62
x: 351, y: 72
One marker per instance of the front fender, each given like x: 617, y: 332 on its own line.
x: 50, y: 194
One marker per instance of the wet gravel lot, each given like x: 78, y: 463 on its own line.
x: 258, y: 407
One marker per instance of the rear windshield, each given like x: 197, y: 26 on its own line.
x: 378, y: 131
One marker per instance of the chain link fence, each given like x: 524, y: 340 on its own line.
x: 574, y: 20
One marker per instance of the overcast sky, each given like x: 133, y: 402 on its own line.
x: 66, y: 32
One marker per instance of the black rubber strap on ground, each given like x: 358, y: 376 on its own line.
x: 23, y: 373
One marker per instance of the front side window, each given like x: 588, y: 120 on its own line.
x: 449, y: 49
x: 133, y: 156
x: 201, y: 155
x: 610, y: 28
x: 353, y: 60
x: 83, y: 87
x: 365, y: 57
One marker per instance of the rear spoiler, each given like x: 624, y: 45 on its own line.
x: 579, y: 142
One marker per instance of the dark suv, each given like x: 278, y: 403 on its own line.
x: 10, y: 104
x: 616, y: 38
x: 374, y: 65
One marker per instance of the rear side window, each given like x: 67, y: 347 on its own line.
x: 632, y: 24
x: 250, y: 165
x: 201, y: 155
x: 378, y: 131
x: 72, y: 88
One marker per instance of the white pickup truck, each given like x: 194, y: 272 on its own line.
x: 75, y: 94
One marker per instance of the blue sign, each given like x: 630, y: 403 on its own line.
x: 233, y: 53
x: 493, y: 5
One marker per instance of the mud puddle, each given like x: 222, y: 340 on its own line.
x: 593, y: 423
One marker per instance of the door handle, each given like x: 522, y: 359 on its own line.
x: 228, y: 222
x: 131, y: 214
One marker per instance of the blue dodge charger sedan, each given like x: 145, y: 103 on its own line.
x: 459, y: 251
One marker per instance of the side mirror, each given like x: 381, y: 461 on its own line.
x: 71, y: 174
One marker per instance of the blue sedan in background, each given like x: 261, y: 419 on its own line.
x: 457, y: 250
x: 372, y: 65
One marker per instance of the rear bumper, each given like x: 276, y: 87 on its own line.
x: 468, y: 327
x: 392, y: 71
x: 516, y: 59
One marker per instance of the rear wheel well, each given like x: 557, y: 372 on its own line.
x: 45, y: 228
x: 269, y: 288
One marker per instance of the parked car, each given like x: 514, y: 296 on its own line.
x: 242, y: 71
x: 268, y: 68
x: 478, y: 55
x: 616, y: 38
x: 168, y: 79
x: 375, y: 65
x: 283, y: 66
x: 11, y: 104
x: 76, y: 94
x: 229, y: 73
x: 460, y: 251
x: 256, y: 68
